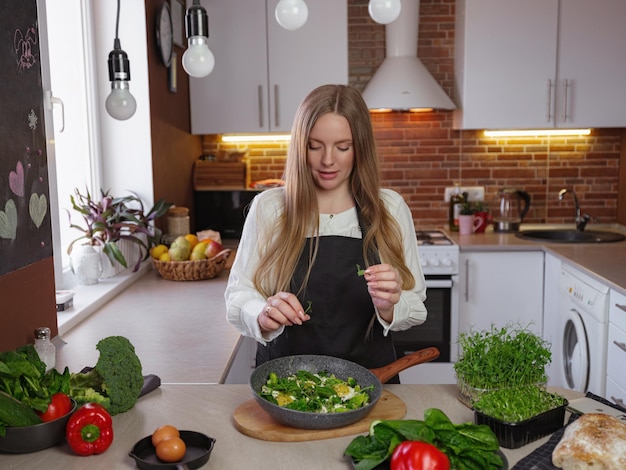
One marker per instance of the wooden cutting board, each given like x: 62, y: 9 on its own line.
x: 252, y: 420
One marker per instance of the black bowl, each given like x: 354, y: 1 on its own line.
x: 290, y: 365
x: 24, y: 439
x: 199, y: 447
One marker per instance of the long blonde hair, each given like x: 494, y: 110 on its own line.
x: 300, y: 217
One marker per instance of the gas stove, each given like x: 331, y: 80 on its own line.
x: 439, y: 255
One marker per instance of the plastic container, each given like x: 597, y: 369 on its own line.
x: 516, y: 435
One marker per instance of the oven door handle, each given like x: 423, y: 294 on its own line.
x: 439, y: 283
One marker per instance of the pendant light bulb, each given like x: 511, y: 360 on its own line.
x: 291, y: 14
x: 120, y: 104
x: 384, y: 11
x: 198, y: 60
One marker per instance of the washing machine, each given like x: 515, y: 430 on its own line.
x: 579, y: 342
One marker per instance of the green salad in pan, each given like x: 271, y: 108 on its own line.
x: 320, y: 392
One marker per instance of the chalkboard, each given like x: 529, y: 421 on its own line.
x: 25, y: 228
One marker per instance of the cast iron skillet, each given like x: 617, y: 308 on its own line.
x: 289, y: 365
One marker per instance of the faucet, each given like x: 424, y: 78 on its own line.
x: 581, y: 221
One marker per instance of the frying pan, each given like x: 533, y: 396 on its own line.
x: 290, y: 365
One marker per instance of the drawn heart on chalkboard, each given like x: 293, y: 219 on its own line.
x: 8, y: 220
x: 16, y: 180
x: 37, y: 207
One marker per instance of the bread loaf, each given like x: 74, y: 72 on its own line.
x: 594, y: 441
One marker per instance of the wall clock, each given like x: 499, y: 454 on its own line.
x: 164, y: 36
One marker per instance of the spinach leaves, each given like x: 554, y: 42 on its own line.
x: 468, y: 446
x: 23, y: 376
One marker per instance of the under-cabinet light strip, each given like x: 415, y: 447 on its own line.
x: 256, y: 138
x: 537, y: 132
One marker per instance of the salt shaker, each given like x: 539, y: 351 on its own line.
x: 44, y: 347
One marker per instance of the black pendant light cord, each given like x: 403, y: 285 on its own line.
x: 116, y: 42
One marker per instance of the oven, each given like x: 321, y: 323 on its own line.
x: 439, y: 257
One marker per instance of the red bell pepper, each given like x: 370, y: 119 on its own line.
x: 90, y: 430
x: 417, y: 455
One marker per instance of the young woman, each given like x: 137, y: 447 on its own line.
x: 328, y: 264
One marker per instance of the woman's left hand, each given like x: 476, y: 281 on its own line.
x: 384, y: 286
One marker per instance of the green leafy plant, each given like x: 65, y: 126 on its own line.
x: 514, y: 405
x: 472, y: 207
x: 109, y: 219
x: 502, y: 357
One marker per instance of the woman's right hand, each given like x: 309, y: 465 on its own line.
x: 281, y: 309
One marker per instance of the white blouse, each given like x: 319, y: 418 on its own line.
x: 244, y: 303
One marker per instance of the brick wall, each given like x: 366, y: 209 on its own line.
x: 421, y: 154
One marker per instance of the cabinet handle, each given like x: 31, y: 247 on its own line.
x: 549, y: 102
x: 276, y: 107
x: 467, y: 280
x: 622, y: 346
x: 621, y: 307
x: 566, y: 94
x: 260, y: 95
x: 618, y: 401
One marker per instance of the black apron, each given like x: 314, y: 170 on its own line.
x: 341, y: 310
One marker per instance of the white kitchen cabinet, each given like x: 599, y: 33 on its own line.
x: 499, y: 288
x: 263, y: 71
x: 243, y: 363
x: 616, y: 350
x: 540, y: 63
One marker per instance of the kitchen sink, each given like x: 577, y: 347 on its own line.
x: 571, y: 236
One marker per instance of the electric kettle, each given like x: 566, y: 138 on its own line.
x: 512, y: 206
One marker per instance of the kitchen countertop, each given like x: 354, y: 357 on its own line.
x: 179, y: 329
x: 181, y: 334
x: 603, y: 261
x: 208, y: 409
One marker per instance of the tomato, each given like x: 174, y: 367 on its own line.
x: 417, y: 455
x: 59, y: 406
x: 171, y: 449
x: 164, y: 432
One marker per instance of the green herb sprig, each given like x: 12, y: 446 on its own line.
x: 359, y: 271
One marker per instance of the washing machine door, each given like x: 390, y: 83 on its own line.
x: 575, y: 369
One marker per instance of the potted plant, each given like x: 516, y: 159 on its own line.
x: 109, y: 220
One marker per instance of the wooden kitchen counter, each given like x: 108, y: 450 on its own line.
x: 179, y: 329
x: 209, y: 408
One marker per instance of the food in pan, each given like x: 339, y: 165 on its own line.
x: 319, y: 392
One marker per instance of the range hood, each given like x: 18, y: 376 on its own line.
x: 402, y: 82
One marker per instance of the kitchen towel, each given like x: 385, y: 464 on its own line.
x: 541, y: 458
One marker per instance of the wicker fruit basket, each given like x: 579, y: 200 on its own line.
x: 194, y: 270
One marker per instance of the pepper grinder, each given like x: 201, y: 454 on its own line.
x: 44, y: 347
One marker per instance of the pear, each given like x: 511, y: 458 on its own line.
x: 180, y: 249
x: 198, y: 251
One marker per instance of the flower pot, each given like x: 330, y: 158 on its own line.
x: 129, y: 250
x: 86, y: 264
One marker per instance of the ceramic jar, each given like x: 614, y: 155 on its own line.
x: 86, y: 263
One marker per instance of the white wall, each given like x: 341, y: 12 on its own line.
x: 126, y: 145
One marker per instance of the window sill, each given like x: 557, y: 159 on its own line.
x: 88, y: 299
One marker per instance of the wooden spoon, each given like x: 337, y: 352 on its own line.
x: 418, y: 357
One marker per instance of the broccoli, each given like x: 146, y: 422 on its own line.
x: 116, y: 380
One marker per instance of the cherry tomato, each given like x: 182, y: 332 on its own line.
x: 417, y: 455
x: 164, y: 432
x: 59, y: 406
x: 171, y: 449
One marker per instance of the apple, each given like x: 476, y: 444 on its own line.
x: 213, y: 248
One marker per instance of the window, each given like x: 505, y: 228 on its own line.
x: 93, y: 150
